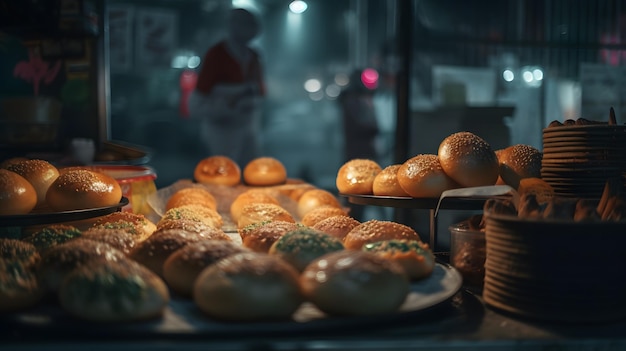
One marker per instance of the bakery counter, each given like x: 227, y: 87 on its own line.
x: 462, y: 323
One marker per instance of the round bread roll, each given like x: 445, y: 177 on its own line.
x: 196, y: 213
x: 337, y: 226
x: 469, y: 160
x: 191, y: 196
x: 355, y: 283
x: 248, y: 286
x: 82, y: 189
x: 386, y: 182
x: 221, y: 170
x: 41, y: 174
x: 374, y: 230
x: 414, y: 256
x: 52, y: 235
x: 264, y: 171
x: 518, y: 162
x: 314, y: 198
x: 247, y: 197
x: 261, y: 212
x: 357, y: 176
x: 17, y: 195
x: 134, y: 223
x: 117, y: 238
x: 317, y: 214
x: 301, y: 246
x: 18, y: 250
x: 11, y: 160
x: 61, y: 259
x: 19, y: 286
x: 121, y: 291
x: 423, y: 176
x: 260, y: 236
x: 182, y: 267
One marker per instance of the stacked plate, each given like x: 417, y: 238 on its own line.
x: 562, y: 271
x: 578, y: 159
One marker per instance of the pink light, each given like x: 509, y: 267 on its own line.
x: 369, y: 77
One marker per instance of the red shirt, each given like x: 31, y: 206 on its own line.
x: 220, y: 67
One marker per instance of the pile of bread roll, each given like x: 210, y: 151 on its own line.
x: 464, y: 159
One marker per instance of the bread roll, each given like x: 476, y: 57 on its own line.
x: 317, y: 214
x: 247, y: 197
x: 134, y: 223
x: 83, y: 189
x: 121, y: 291
x: 414, y: 256
x: 191, y: 196
x: 52, y: 235
x: 386, y: 182
x: 301, y: 246
x: 11, y: 160
x: 182, y: 267
x: 220, y: 170
x: 18, y: 250
x: 423, y: 176
x: 355, y: 283
x: 264, y: 171
x: 518, y: 162
x: 195, y: 213
x: 248, y: 287
x: 117, y: 238
x: 469, y: 160
x: 17, y: 195
x: 260, y: 236
x: 314, y: 198
x: 357, y: 176
x: 19, y: 286
x: 337, y: 226
x: 260, y: 212
x: 39, y: 173
x: 374, y: 230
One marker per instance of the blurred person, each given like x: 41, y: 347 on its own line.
x: 228, y: 94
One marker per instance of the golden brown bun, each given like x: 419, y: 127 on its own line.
x: 317, y: 214
x: 19, y: 286
x: 250, y: 196
x: 248, y: 287
x: 337, y: 226
x: 82, y: 189
x: 315, y: 198
x: 518, y: 162
x: 264, y: 171
x: 355, y: 283
x: 192, y: 196
x: 386, y: 182
x: 423, y: 176
x: 195, y: 213
x: 469, y: 160
x: 41, y: 174
x: 357, y: 176
x: 134, y: 223
x: 260, y: 212
x: 414, y: 256
x: 51, y: 235
x: 219, y: 170
x: 301, y: 246
x: 182, y: 267
x: 18, y: 250
x: 374, y: 230
x: 119, y: 291
x: 17, y: 195
x: 259, y: 237
x: 117, y: 238
x: 9, y: 161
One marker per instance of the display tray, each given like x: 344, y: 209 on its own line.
x: 183, y: 318
x: 37, y: 218
x: 456, y: 203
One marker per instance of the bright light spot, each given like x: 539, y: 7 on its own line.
x: 193, y: 61
x: 179, y: 61
x: 312, y: 85
x: 333, y: 91
x: 342, y: 79
x: 369, y: 77
x: 527, y: 76
x: 508, y: 75
x: 298, y: 6
x: 537, y: 74
x: 317, y: 95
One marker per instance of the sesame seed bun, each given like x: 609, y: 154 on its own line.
x: 374, y: 230
x: 386, y: 182
x: 17, y: 195
x: 469, y: 160
x: 518, y: 162
x: 83, y: 189
x: 423, y: 176
x: 357, y: 176
x: 41, y: 174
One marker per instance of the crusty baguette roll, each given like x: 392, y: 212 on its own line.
x: 314, y: 198
x: 40, y: 173
x: 191, y: 196
x: 356, y: 176
x: 423, y: 176
x: 17, y: 195
x: 248, y: 286
x: 264, y: 171
x: 386, y: 182
x: 221, y: 170
x: 79, y: 189
x: 355, y: 283
x: 469, y: 160
x: 518, y: 162
x: 374, y: 230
